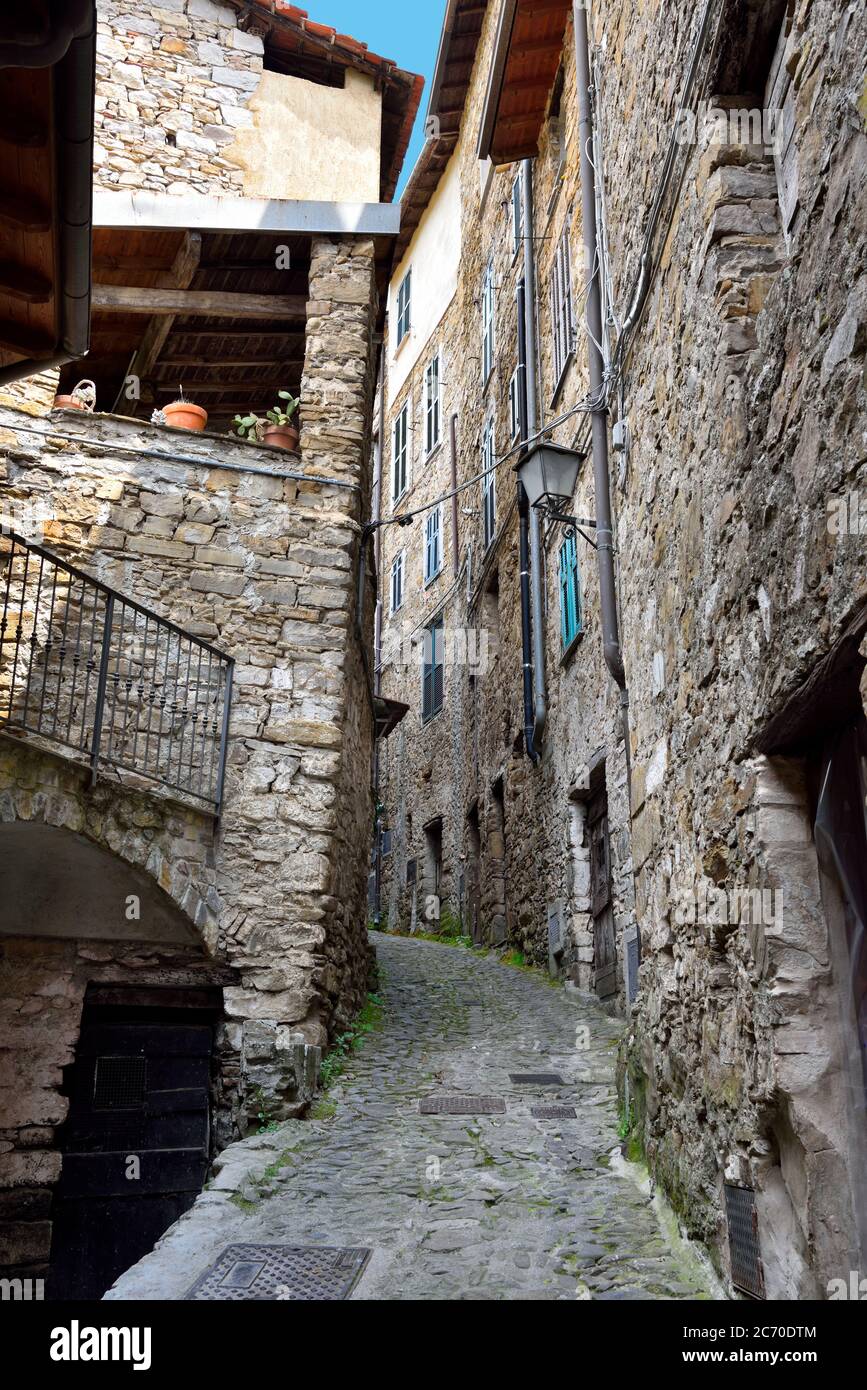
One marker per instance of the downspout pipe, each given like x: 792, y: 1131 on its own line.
x: 453, y: 455
x: 540, y: 704
x: 526, y: 647
x: 599, y: 415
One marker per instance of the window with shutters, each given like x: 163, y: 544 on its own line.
x: 517, y: 216
x: 780, y: 108
x: 488, y: 321
x: 433, y: 669
x: 398, y: 566
x: 571, y: 615
x: 404, y: 307
x: 562, y: 318
x: 515, y: 405
x: 489, y: 484
x: 433, y: 547
x: 432, y: 407
x: 400, y: 453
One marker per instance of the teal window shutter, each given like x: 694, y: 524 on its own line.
x: 571, y: 615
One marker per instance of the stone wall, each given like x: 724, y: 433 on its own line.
x: 469, y: 766
x: 256, y: 552
x: 744, y: 395
x: 184, y: 104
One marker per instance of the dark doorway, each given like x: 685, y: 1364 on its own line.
x: 433, y: 871
x: 604, y: 950
x: 136, y: 1142
x: 474, y: 858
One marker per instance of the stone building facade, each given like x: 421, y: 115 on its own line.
x: 130, y: 899
x: 735, y: 424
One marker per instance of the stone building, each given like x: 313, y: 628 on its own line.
x: 187, y: 714
x: 688, y: 840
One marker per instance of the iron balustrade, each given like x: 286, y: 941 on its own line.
x: 85, y: 668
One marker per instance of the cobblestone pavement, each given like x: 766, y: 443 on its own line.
x: 502, y: 1206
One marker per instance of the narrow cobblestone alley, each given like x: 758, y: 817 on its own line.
x: 498, y: 1206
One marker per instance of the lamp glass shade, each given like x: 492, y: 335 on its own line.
x: 549, y: 474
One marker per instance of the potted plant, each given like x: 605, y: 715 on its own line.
x: 281, y: 432
x: 183, y: 415
x: 81, y: 397
x: 275, y: 429
x: 250, y: 427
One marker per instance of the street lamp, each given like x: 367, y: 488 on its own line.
x: 549, y: 474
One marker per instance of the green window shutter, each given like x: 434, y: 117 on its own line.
x: 571, y: 616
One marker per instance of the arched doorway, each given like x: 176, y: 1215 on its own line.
x: 110, y: 1069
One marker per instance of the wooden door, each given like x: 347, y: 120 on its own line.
x: 605, y: 954
x: 135, y: 1148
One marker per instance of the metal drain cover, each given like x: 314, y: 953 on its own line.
x: 553, y: 1112
x: 462, y: 1105
x: 309, y: 1273
x: 536, y: 1078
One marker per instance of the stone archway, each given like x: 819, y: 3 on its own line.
x: 101, y: 890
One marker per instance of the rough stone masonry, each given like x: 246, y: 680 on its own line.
x: 256, y: 553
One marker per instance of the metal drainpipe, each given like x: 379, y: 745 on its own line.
x: 540, y: 707
x: 376, y: 509
x: 453, y: 447
x: 524, y: 542
x: 604, y: 533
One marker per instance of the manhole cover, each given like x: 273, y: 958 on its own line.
x: 553, y: 1112
x: 308, y: 1273
x: 462, y: 1105
x: 536, y: 1078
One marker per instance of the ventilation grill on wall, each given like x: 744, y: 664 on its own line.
x: 119, y: 1083
x: 633, y: 960
x: 743, y: 1224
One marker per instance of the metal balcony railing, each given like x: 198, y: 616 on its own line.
x: 84, y: 668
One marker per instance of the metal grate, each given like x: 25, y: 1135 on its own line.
x: 462, y: 1105
x: 553, y: 1112
x: 84, y: 668
x: 119, y: 1083
x: 536, y: 1078
x: 261, y: 1273
x: 743, y: 1224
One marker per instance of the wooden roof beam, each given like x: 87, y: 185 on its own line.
x: 132, y: 299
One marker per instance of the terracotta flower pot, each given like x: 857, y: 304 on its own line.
x: 68, y: 403
x: 282, y: 437
x: 183, y: 415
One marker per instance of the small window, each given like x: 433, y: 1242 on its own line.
x: 433, y: 549
x: 400, y: 453
x: 404, y: 307
x: 489, y: 484
x: 433, y: 670
x: 432, y: 404
x: 411, y: 872
x: 397, y: 573
x: 562, y: 318
x: 517, y: 216
x: 515, y: 405
x: 571, y: 606
x: 488, y: 321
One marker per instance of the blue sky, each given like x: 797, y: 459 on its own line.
x: 406, y: 30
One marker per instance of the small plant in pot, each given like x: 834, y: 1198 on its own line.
x: 183, y: 415
x: 281, y: 430
x: 250, y: 427
x: 276, y: 429
x: 81, y: 397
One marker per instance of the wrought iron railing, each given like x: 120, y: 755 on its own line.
x: 87, y: 669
